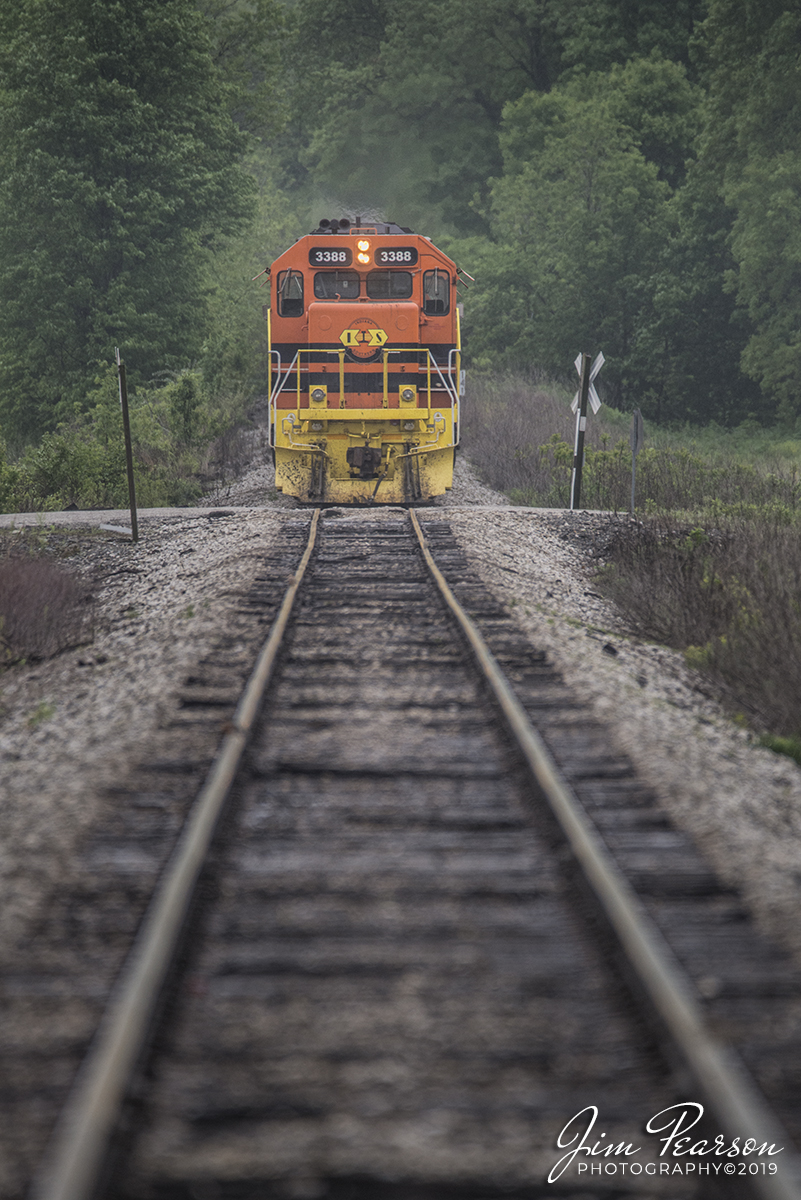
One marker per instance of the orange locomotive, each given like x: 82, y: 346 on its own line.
x: 364, y: 366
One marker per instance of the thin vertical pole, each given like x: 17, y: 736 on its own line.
x: 635, y: 441
x: 581, y: 425
x: 126, y: 425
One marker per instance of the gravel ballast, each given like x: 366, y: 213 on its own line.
x: 71, y: 725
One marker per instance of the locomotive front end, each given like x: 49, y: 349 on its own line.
x: 365, y: 366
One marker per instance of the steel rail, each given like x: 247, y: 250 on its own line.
x: 716, y: 1069
x: 74, y: 1160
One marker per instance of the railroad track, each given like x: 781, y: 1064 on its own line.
x: 423, y: 940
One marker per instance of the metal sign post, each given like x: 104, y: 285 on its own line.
x: 126, y: 425
x: 586, y: 392
x: 635, y: 441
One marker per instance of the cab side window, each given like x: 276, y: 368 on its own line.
x: 436, y: 292
x: 290, y: 294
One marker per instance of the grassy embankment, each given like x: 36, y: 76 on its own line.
x: 712, y: 566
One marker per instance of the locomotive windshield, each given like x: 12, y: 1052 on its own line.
x: 336, y: 285
x: 389, y: 285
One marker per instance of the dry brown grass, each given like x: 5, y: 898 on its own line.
x: 43, y: 608
x: 714, y: 569
x: 730, y: 597
x: 507, y: 419
x: 520, y: 434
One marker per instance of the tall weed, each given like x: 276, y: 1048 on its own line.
x: 713, y: 565
x: 520, y: 435
x: 729, y: 595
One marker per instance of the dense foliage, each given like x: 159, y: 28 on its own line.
x: 119, y: 172
x: 123, y: 182
x: 618, y: 174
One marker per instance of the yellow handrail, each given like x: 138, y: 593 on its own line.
x: 453, y: 390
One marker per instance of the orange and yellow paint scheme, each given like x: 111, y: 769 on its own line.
x: 364, y: 345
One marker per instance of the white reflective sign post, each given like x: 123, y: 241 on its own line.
x: 585, y: 394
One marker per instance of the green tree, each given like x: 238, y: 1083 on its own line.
x: 398, y: 106
x: 407, y: 98
x: 233, y: 358
x: 753, y: 146
x: 247, y: 40
x: 579, y: 220
x: 599, y: 33
x: 653, y: 99
x: 120, y: 175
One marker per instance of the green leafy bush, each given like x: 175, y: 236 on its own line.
x: 174, y: 428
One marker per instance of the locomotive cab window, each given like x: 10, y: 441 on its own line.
x: 436, y: 292
x: 389, y: 285
x: 290, y: 294
x: 336, y: 285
